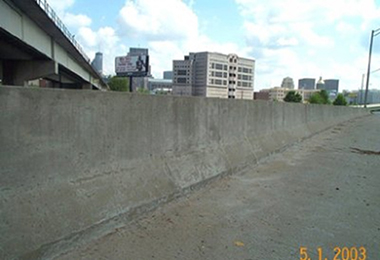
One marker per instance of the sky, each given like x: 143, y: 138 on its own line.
x: 295, y: 38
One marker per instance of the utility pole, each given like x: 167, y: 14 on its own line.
x: 373, y: 34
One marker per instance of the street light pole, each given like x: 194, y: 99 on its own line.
x: 373, y: 34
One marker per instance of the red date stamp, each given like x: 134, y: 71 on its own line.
x: 340, y: 253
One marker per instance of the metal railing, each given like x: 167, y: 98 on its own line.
x: 57, y: 21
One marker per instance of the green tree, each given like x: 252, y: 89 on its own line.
x: 321, y: 97
x: 118, y: 83
x: 340, y: 101
x: 325, y: 97
x: 292, y: 96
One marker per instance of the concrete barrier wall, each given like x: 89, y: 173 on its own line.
x: 73, y: 163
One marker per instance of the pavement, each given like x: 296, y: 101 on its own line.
x: 320, y: 193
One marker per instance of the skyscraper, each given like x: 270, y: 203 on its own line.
x: 97, y: 63
x: 306, y: 83
x: 332, y: 85
x: 287, y: 83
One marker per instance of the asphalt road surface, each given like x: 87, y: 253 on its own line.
x: 322, y: 193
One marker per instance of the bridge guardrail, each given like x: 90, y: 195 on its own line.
x: 58, y: 22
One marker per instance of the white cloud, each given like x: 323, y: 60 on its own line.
x: 104, y: 40
x: 60, y: 6
x: 79, y: 20
x: 309, y: 38
x: 171, y: 30
x: 158, y: 20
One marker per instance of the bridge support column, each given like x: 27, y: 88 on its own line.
x: 86, y: 86
x: 1, y: 73
x: 19, y: 72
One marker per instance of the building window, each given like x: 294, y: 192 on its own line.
x: 225, y: 75
x: 225, y: 67
x: 218, y: 82
x: 219, y: 66
x: 219, y: 74
x: 182, y: 72
x: 181, y: 80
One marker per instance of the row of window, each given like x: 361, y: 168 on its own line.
x: 244, y: 84
x: 245, y: 70
x: 182, y: 72
x: 244, y: 77
x: 182, y: 80
x: 218, y: 82
x: 219, y: 66
x: 218, y: 74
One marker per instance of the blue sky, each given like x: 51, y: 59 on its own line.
x: 295, y: 38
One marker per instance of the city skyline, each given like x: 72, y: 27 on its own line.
x: 297, y: 38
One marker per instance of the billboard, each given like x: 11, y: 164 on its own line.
x: 132, y: 65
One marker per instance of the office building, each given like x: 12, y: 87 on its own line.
x: 211, y: 74
x: 287, y: 83
x: 332, y: 85
x: 306, y: 83
x: 97, y: 63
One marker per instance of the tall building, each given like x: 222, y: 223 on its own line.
x: 306, y: 83
x: 211, y: 74
x: 287, y: 83
x: 321, y: 84
x: 332, y: 85
x: 97, y: 63
x: 168, y: 74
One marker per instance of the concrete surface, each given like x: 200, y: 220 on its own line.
x: 322, y: 192
x: 75, y: 165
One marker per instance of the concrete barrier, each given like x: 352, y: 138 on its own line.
x: 77, y: 164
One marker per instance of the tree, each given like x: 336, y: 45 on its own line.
x: 325, y: 97
x: 292, y: 96
x: 321, y: 97
x: 118, y: 84
x: 316, y: 99
x: 340, y: 101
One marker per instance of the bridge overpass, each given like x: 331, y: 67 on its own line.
x: 34, y: 44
